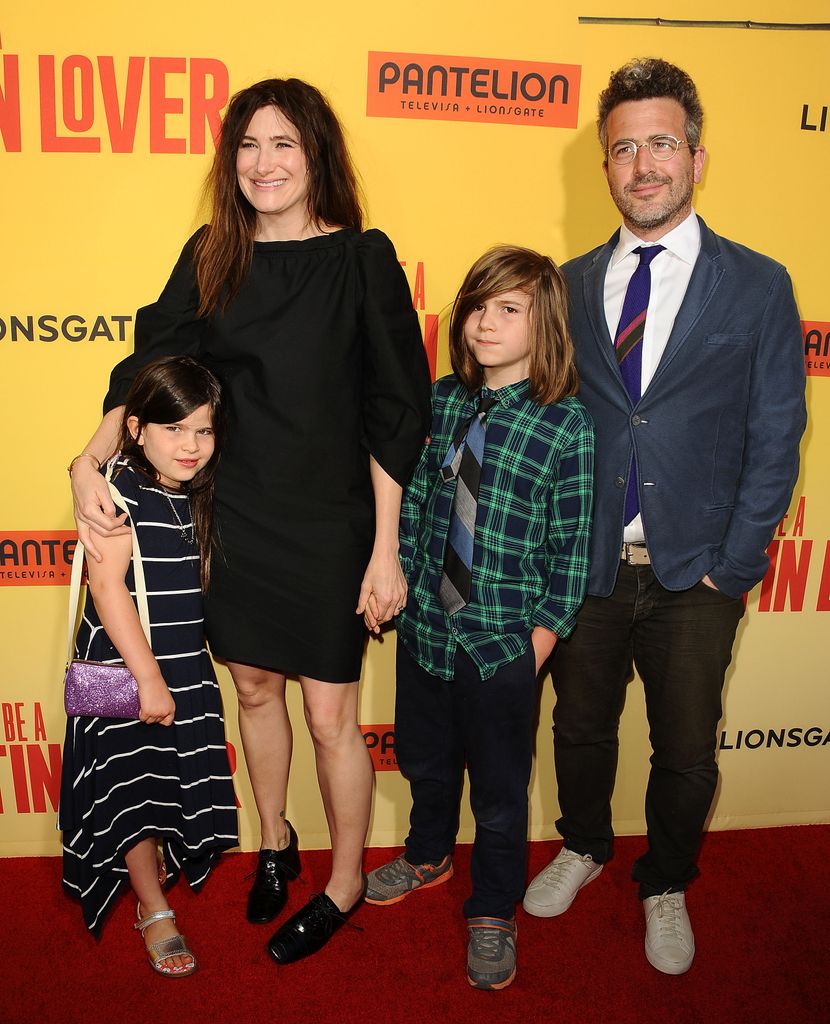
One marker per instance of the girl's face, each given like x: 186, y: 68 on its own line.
x: 177, y: 451
x: 496, y: 332
x: 272, y: 172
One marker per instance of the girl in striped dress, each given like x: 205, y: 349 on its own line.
x: 129, y: 785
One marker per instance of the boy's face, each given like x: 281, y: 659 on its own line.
x: 496, y: 332
x: 177, y: 451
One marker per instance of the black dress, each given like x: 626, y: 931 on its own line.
x: 321, y: 357
x: 125, y: 781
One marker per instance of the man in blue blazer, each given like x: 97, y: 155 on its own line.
x: 691, y: 360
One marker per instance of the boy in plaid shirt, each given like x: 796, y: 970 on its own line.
x: 495, y: 527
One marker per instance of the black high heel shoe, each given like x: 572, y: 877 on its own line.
x: 275, y: 868
x: 310, y: 928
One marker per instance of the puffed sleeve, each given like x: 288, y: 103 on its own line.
x: 396, y: 385
x: 168, y: 327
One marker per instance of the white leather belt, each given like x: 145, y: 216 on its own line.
x: 635, y: 554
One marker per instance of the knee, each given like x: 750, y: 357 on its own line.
x: 687, y: 756
x: 256, y: 688
x: 584, y: 724
x: 686, y: 743
x: 330, y: 727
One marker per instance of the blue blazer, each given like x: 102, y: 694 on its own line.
x: 716, y: 433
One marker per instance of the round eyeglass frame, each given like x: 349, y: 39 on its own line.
x: 650, y: 146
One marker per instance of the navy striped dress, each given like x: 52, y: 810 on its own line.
x: 124, y: 781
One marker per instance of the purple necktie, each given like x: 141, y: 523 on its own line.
x: 629, y: 349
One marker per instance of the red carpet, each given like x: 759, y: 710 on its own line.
x: 761, y: 912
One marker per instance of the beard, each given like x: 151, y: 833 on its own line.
x: 672, y: 205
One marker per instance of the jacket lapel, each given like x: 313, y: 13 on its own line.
x: 593, y: 284
x: 703, y: 283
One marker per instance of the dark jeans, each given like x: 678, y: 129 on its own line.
x: 439, y: 724
x: 681, y: 644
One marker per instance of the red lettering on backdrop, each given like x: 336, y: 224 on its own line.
x: 13, y: 721
x: 206, y: 109
x: 787, y: 575
x: 40, y: 725
x: 10, y: 104
x: 79, y: 112
x: 798, y: 525
x: 44, y: 780
x: 431, y: 342
x: 74, y: 104
x: 21, y: 792
x: 50, y: 141
x: 823, y: 601
x: 418, y: 300
x: 161, y: 104
x: 121, y: 118
x: 232, y: 762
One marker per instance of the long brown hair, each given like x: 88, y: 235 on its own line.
x: 506, y: 268
x: 166, y: 391
x: 224, y: 250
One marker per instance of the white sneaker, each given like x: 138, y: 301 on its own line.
x: 670, y: 942
x: 554, y: 889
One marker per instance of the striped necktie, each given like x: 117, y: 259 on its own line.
x: 463, y: 461
x: 628, y: 344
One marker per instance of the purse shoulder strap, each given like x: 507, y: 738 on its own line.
x: 138, y: 573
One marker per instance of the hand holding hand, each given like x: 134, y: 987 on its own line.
x: 383, y: 592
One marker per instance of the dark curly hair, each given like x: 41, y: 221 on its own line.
x: 650, y: 78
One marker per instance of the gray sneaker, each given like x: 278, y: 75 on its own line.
x: 391, y: 882
x: 491, y: 952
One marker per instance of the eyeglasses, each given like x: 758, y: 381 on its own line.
x: 661, y: 147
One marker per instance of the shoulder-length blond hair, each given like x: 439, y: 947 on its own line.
x: 506, y: 268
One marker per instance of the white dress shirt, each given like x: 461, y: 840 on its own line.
x: 670, y: 274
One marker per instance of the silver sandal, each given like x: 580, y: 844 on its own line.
x: 176, y: 945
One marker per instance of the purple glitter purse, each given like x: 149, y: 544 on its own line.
x: 95, y: 688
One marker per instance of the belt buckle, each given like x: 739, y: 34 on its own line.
x: 635, y: 554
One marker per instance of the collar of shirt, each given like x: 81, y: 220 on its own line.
x: 682, y: 241
x: 508, y: 395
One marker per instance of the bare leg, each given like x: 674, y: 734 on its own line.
x: 267, y: 741
x: 144, y: 877
x: 344, y: 771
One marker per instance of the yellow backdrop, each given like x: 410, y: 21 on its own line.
x: 105, y: 132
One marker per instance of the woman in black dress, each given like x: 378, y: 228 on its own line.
x: 308, y: 322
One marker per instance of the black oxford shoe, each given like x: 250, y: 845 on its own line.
x: 309, y: 929
x: 275, y: 868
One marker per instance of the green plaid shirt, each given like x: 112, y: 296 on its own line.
x: 530, y: 566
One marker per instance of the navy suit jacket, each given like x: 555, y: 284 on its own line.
x: 716, y: 433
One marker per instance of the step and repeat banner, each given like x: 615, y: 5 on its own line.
x: 470, y: 125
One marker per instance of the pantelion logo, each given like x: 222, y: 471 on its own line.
x: 419, y: 85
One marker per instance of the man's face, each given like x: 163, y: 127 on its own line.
x: 653, y: 196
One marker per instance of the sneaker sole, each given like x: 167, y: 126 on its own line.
x: 488, y: 987
x: 668, y: 966
x: 445, y: 877
x: 546, y: 911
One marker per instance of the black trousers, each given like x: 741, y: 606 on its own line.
x: 489, y: 723
x: 681, y: 644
